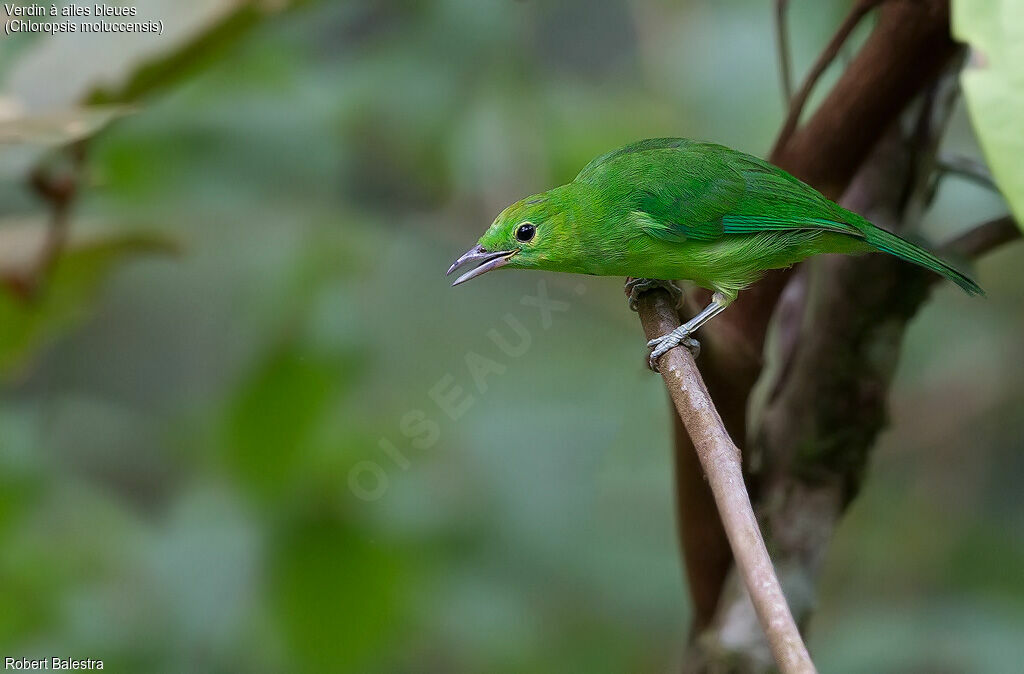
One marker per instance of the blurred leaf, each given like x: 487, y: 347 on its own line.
x: 338, y: 595
x: 31, y: 587
x: 58, y: 128
x: 272, y: 424
x: 20, y: 472
x: 28, y: 323
x: 993, y: 85
x: 98, y: 69
x: 204, y: 49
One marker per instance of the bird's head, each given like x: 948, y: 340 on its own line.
x: 534, y: 233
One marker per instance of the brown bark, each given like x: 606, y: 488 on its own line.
x: 909, y: 46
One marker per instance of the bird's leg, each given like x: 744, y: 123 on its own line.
x: 681, y: 335
x: 636, y: 286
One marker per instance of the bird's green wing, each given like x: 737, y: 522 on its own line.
x: 601, y: 161
x: 702, y: 192
x: 679, y: 199
x: 676, y: 190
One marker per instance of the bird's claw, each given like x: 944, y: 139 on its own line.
x: 637, y: 286
x: 662, y: 345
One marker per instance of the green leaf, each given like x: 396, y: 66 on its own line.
x: 993, y: 84
x: 337, y: 593
x: 272, y: 425
x: 199, y: 51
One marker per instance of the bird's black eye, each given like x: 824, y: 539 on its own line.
x: 525, y: 232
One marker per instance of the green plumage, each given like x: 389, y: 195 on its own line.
x: 672, y: 208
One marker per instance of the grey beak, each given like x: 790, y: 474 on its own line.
x: 488, y: 261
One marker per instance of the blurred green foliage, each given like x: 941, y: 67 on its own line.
x: 179, y: 434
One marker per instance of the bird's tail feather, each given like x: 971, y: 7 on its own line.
x: 887, y: 242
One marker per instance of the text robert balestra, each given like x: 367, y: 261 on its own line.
x: 59, y: 664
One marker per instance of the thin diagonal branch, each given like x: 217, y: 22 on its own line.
x: 723, y: 466
x: 968, y: 169
x: 56, y: 183
x: 797, y: 103
x: 983, y: 238
x: 785, y: 55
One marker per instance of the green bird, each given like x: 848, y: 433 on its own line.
x: 672, y: 208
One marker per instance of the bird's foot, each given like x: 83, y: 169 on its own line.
x: 636, y: 286
x: 665, y: 343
